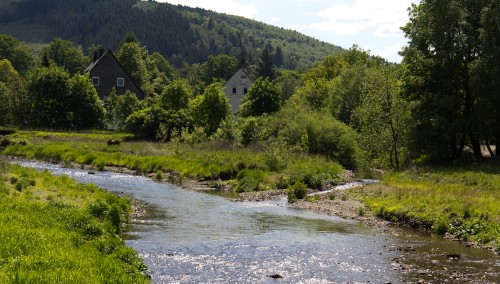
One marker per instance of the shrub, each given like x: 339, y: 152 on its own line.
x: 249, y: 180
x: 298, y: 191
x: 159, y: 175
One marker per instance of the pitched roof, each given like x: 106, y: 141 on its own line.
x: 96, y: 62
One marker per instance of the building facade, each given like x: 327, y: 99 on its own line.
x: 237, y: 88
x: 107, y: 73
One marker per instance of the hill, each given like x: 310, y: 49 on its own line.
x: 180, y: 33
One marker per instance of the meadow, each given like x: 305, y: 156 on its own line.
x: 242, y: 169
x: 463, y: 203
x: 55, y: 230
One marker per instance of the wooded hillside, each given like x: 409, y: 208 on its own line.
x: 180, y: 33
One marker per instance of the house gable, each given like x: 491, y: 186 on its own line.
x: 106, y: 72
x: 237, y: 88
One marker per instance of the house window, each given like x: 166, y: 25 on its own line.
x: 243, y: 80
x: 120, y: 82
x: 234, y: 90
x: 95, y: 81
x: 245, y: 91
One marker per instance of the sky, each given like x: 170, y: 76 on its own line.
x: 372, y: 25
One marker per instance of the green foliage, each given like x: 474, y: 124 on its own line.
x: 119, y: 108
x: 218, y: 67
x: 325, y: 135
x: 263, y: 97
x: 249, y: 180
x: 298, y: 191
x: 265, y: 68
x: 210, y: 109
x: 66, y: 55
x: 17, y: 53
x: 48, y: 94
x: 250, y: 129
x: 450, y: 77
x: 383, y: 120
x: 209, y: 160
x: 175, y: 96
x: 131, y: 57
x: 13, y: 92
x: 187, y: 34
x: 315, y: 94
x: 58, y: 225
x: 85, y: 106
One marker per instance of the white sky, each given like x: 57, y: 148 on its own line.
x: 371, y: 24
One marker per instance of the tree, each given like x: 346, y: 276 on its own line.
x: 265, y: 68
x: 263, y: 97
x: 210, y: 109
x: 486, y: 72
x: 85, y: 106
x: 315, y: 93
x: 243, y: 61
x: 131, y: 57
x: 17, y: 53
x: 279, y: 59
x: 5, y: 106
x: 47, y: 97
x: 175, y: 96
x: 66, y: 55
x: 121, y: 107
x: 218, y: 67
x: 15, y: 93
x: 384, y: 119
x: 443, y: 45
x: 350, y: 88
x: 157, y: 60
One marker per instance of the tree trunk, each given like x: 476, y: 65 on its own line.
x: 476, y: 148
x: 492, y: 154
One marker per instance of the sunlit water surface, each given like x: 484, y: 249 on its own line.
x: 191, y: 237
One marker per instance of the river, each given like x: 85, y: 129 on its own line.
x: 187, y: 236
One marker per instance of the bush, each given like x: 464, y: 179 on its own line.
x: 298, y: 191
x: 318, y: 133
x: 249, y: 180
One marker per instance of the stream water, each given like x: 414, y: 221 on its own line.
x: 192, y: 237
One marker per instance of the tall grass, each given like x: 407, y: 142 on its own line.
x: 207, y: 161
x: 57, y: 231
x: 462, y: 203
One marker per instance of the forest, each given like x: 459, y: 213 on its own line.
x: 181, y: 34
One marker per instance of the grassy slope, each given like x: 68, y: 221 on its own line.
x: 57, y: 231
x: 464, y: 203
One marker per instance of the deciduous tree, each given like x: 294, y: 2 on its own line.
x: 263, y: 97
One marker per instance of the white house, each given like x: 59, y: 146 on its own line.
x: 237, y: 88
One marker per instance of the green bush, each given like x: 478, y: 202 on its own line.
x: 298, y: 191
x: 325, y: 135
x: 249, y: 180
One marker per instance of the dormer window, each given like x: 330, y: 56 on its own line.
x: 120, y: 82
x: 95, y: 81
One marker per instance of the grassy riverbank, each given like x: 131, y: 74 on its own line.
x: 240, y: 168
x: 57, y: 231
x: 463, y: 203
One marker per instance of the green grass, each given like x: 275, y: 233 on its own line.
x: 207, y: 161
x: 464, y: 203
x: 57, y: 231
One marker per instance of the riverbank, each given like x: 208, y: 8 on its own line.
x: 462, y: 204
x: 242, y: 169
x: 50, y: 225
